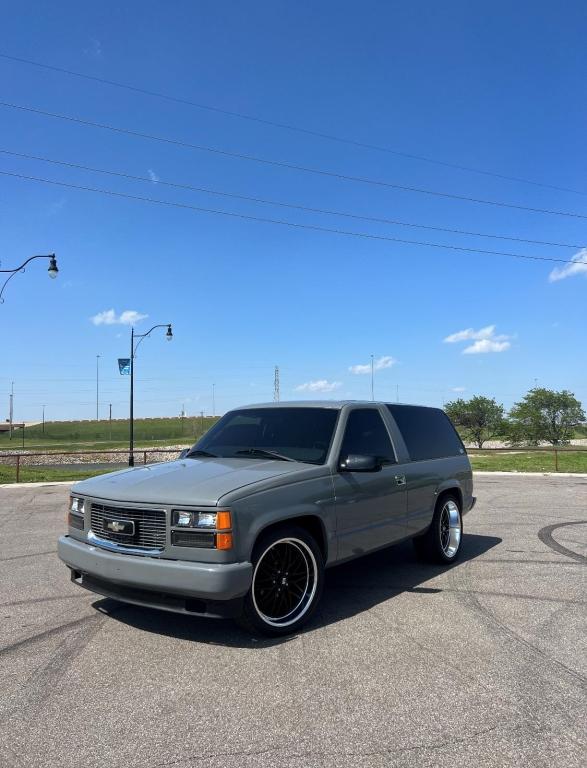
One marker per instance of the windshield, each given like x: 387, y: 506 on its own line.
x: 298, y: 434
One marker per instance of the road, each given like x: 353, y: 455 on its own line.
x: 406, y: 664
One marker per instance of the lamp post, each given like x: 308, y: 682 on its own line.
x: 52, y: 270
x: 133, y: 351
x: 97, y: 386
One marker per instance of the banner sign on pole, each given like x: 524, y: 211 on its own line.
x: 124, y: 366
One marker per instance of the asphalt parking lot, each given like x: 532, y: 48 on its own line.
x: 406, y: 664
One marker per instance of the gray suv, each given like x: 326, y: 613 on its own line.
x: 245, y: 522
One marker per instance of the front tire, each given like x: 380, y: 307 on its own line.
x: 442, y: 541
x: 288, y: 578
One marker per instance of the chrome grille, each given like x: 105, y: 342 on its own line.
x: 149, y: 532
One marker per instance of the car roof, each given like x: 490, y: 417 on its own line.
x: 335, y: 404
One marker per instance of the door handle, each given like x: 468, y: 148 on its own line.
x: 400, y: 479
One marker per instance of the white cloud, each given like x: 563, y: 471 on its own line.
x: 109, y: 317
x: 483, y: 346
x: 469, y: 334
x: 485, y: 340
x: 458, y: 389
x: 378, y: 365
x: 320, y: 385
x: 577, y: 267
x: 152, y: 175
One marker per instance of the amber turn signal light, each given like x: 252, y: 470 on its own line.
x: 223, y: 521
x: 224, y: 541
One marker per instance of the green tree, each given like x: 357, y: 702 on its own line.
x: 479, y: 419
x: 545, y: 415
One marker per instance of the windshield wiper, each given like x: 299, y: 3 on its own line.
x: 264, y: 453
x: 198, y: 452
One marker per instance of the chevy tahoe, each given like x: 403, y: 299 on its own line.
x: 244, y: 523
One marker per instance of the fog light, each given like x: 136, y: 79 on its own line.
x: 75, y: 521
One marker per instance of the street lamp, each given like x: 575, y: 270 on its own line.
x: 53, y: 270
x: 133, y: 352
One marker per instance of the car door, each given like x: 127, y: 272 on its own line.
x: 370, y: 505
x: 432, y: 443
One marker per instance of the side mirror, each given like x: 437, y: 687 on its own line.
x: 355, y: 462
x: 183, y: 453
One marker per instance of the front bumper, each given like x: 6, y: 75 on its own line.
x: 180, y: 586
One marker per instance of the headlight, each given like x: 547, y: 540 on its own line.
x: 76, y: 505
x: 75, y: 513
x: 219, y: 521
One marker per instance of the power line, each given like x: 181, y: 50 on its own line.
x: 295, y: 206
x: 286, y: 126
x: 282, y: 222
x: 289, y: 166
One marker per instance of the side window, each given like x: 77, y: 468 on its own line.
x: 367, y: 435
x: 428, y: 432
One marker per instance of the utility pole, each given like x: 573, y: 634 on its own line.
x: 97, y: 384
x: 182, y: 416
x: 11, y: 409
x: 110, y: 419
x: 202, y: 420
x: 276, y: 385
x: 213, y: 399
x: 372, y: 379
x: 43, y: 419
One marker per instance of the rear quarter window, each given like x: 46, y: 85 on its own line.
x: 428, y: 432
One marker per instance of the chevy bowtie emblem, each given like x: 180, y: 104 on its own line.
x: 115, y: 526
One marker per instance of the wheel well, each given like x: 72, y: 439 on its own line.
x: 310, y: 523
x: 452, y: 492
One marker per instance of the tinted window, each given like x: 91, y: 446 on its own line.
x: 367, y: 435
x: 303, y: 434
x: 427, y: 432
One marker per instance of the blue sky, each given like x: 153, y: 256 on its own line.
x: 498, y: 87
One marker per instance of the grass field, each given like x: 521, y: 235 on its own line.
x: 529, y: 461
x: 88, y: 435
x: 42, y: 475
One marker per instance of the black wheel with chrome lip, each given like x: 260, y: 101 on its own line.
x: 288, y: 575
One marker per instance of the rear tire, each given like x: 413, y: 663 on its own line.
x: 442, y: 541
x: 287, y: 584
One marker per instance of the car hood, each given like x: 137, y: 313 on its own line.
x: 189, y: 481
